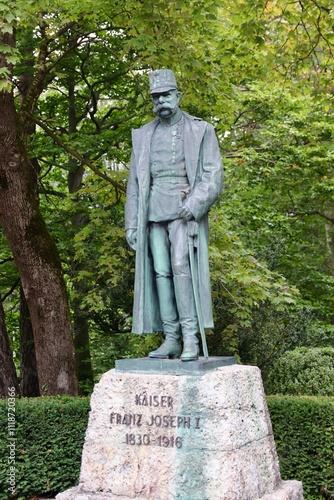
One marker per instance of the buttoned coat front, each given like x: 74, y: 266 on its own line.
x: 205, y: 175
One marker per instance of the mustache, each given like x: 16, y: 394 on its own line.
x: 159, y: 107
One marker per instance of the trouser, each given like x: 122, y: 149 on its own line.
x: 169, y: 249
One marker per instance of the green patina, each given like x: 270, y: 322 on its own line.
x: 191, y: 462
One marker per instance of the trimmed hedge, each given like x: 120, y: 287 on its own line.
x: 305, y: 371
x: 50, y: 434
x: 304, y: 436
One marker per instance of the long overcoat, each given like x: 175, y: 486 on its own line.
x: 205, y: 175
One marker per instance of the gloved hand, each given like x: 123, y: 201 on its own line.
x: 185, y: 213
x: 131, y: 238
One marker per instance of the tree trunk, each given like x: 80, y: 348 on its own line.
x: 81, y: 325
x: 8, y: 378
x: 35, y: 255
x: 28, y: 366
x: 82, y: 350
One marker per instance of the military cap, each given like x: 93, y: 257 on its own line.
x: 162, y: 80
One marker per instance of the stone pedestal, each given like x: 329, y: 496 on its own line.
x: 188, y: 437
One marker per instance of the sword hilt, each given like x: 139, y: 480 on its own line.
x: 193, y: 232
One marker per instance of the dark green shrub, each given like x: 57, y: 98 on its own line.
x: 304, y: 436
x: 303, y: 371
x: 275, y: 331
x: 49, y: 439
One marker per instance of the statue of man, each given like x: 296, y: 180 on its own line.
x: 175, y: 177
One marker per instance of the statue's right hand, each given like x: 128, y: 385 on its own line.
x: 131, y: 238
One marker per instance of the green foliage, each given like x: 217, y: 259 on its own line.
x: 289, y: 42
x: 304, y: 437
x: 50, y: 434
x: 8, y: 54
x: 273, y: 332
x: 240, y: 285
x: 279, y: 188
x: 303, y: 371
x: 106, y: 348
x: 102, y: 264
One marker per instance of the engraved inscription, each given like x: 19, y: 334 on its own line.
x: 169, y: 421
x: 138, y: 439
x: 166, y: 421
x: 146, y: 439
x: 126, y: 419
x: 162, y: 420
x: 161, y: 401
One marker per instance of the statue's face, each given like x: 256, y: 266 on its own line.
x: 166, y: 104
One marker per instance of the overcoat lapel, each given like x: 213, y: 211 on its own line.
x: 142, y: 145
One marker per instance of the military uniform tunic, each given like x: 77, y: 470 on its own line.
x: 169, y: 180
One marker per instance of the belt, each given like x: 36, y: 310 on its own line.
x: 161, y: 181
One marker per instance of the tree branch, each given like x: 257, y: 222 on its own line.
x: 11, y: 290
x: 313, y: 212
x: 51, y: 192
x: 4, y: 261
x: 76, y: 155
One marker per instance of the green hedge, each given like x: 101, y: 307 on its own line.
x: 305, y: 371
x: 50, y: 434
x: 304, y: 436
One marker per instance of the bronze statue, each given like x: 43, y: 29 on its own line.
x: 175, y: 177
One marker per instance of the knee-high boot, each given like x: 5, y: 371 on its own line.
x: 171, y: 348
x: 187, y: 316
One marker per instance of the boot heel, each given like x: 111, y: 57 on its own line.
x: 190, y: 351
x: 175, y: 356
x: 169, y: 349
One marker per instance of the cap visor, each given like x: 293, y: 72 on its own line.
x: 161, y: 90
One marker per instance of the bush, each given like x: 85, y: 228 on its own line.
x: 50, y: 434
x: 303, y: 371
x: 304, y: 436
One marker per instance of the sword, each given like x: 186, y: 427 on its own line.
x: 192, y: 244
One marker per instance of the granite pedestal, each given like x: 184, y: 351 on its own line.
x: 198, y: 432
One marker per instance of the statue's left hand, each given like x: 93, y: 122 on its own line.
x: 185, y: 213
x: 131, y: 237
